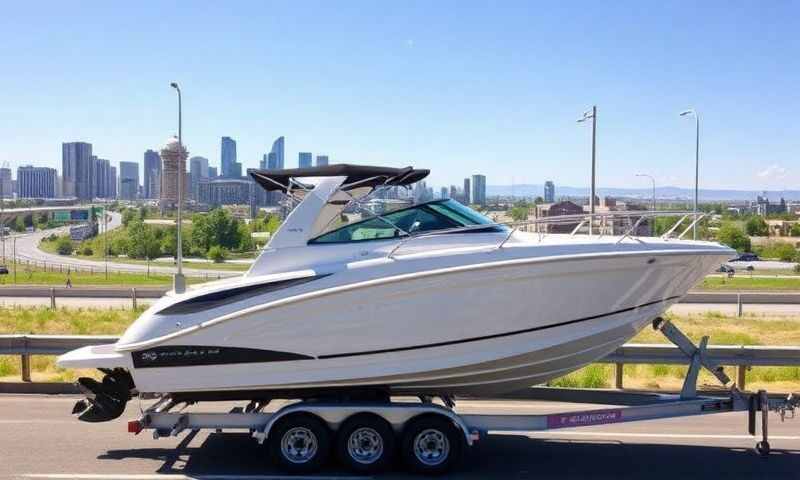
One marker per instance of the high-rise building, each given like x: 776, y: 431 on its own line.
x: 479, y: 189
x: 152, y: 174
x: 6, y: 185
x: 212, y: 172
x: 101, y: 185
x: 173, y: 167
x: 453, y: 192
x: 77, y: 170
x: 36, y: 182
x: 112, y: 181
x: 304, y: 159
x: 228, y: 165
x: 198, y: 170
x: 322, y: 160
x: 466, y: 200
x: 549, y: 192
x: 128, y: 180
x: 226, y: 191
x: 443, y: 193
x: 278, y: 151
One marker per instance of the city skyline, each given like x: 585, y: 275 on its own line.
x: 398, y: 96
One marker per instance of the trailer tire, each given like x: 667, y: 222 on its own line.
x: 365, y: 443
x: 300, y: 443
x: 431, y: 445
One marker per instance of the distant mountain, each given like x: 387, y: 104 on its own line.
x: 676, y: 193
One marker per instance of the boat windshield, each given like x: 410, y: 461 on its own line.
x: 425, y: 217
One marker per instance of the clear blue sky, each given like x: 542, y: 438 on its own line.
x: 459, y: 87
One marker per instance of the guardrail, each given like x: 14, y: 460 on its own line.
x: 742, y: 357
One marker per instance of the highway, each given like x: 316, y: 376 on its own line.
x: 41, y: 440
x: 27, y: 248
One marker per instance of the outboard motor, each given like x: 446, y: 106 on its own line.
x: 105, y: 400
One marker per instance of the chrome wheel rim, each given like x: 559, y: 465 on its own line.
x: 431, y: 447
x: 299, y: 445
x: 365, y: 445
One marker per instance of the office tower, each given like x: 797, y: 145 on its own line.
x: 112, y: 182
x: 173, y: 167
x: 264, y: 162
x: 322, y: 160
x: 278, y: 150
x: 6, y: 185
x: 229, y: 167
x: 479, y: 189
x: 549, y: 192
x: 453, y: 192
x: 128, y: 180
x: 101, y: 186
x: 152, y: 174
x: 77, y: 170
x: 226, y: 191
x: 36, y: 182
x: 443, y: 193
x: 304, y: 159
x: 466, y: 200
x: 198, y: 170
x: 212, y: 172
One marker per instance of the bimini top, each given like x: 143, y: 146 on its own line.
x: 357, y: 176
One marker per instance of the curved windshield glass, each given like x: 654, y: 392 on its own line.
x: 426, y: 217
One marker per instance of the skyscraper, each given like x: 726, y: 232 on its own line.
x: 466, y: 197
x: 128, y: 180
x: 212, y: 172
x: 77, y: 170
x: 173, y: 167
x: 479, y: 189
x: 228, y: 165
x: 277, y: 150
x: 36, y: 182
x: 444, y: 193
x: 112, y: 181
x: 198, y: 170
x: 152, y: 174
x: 6, y: 185
x: 549, y: 192
x: 101, y: 186
x: 322, y: 160
x: 304, y: 159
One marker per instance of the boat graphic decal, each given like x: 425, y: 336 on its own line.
x: 193, y: 355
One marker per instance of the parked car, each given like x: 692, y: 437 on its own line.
x: 3, y: 270
x: 746, y: 257
x: 726, y: 269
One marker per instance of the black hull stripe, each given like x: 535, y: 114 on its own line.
x: 496, y: 335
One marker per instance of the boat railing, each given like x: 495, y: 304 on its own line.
x: 597, y: 225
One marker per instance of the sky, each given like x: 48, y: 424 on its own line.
x: 459, y: 87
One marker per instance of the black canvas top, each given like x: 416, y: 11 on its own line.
x: 272, y: 180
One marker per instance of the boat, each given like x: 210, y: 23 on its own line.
x: 432, y: 299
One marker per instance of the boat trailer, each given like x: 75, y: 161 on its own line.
x: 432, y: 436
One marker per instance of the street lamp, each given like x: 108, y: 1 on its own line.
x: 654, y: 187
x: 593, y: 115
x: 693, y: 113
x: 179, y: 282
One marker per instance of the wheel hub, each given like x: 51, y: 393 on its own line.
x: 431, y: 447
x: 299, y: 445
x: 365, y: 445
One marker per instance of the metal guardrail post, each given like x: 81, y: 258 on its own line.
x: 133, y: 297
x: 52, y: 298
x: 25, y: 362
x: 741, y: 374
x: 738, y: 304
x: 618, y: 370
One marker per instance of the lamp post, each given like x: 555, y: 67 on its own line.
x: 593, y: 115
x: 654, y: 187
x: 179, y: 281
x: 693, y: 113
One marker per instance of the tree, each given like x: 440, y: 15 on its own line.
x: 64, y: 246
x: 795, y: 231
x: 216, y: 228
x: 19, y: 225
x: 732, y: 236
x: 127, y: 215
x: 520, y: 213
x: 784, y: 252
x: 216, y: 254
x: 757, y: 227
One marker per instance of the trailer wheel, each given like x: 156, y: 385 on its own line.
x: 365, y: 443
x: 300, y: 443
x: 431, y: 445
x: 763, y: 448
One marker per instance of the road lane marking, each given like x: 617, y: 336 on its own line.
x: 552, y: 433
x: 149, y: 476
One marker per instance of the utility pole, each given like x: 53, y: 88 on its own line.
x: 179, y: 281
x: 693, y: 113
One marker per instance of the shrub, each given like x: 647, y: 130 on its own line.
x: 732, y: 236
x: 216, y: 254
x: 87, y: 251
x: 64, y: 246
x: 757, y: 227
x: 797, y: 268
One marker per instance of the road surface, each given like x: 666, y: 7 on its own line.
x: 41, y: 440
x: 28, y: 249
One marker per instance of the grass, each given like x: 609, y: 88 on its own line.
x: 742, y: 283
x: 57, y: 276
